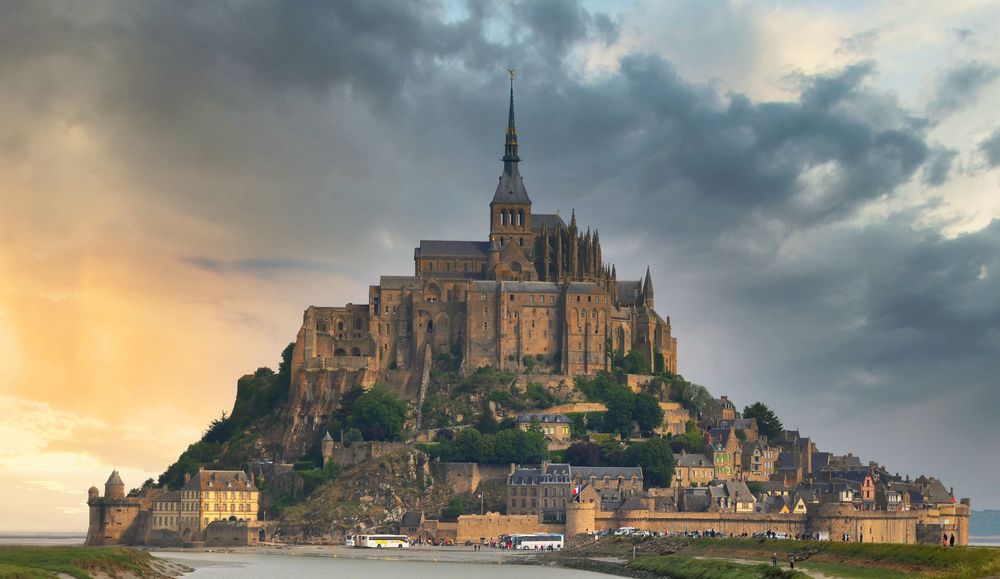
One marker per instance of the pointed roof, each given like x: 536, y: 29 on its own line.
x: 647, y: 284
x: 115, y: 479
x: 327, y: 436
x: 510, y: 189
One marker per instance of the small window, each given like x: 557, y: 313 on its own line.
x: 511, y: 297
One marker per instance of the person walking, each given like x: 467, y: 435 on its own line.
x: 951, y: 541
x: 774, y: 560
x: 791, y: 561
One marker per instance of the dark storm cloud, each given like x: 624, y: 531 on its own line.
x: 309, y: 129
x: 990, y: 148
x: 959, y: 86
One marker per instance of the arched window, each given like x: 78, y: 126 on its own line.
x: 503, y: 218
x: 340, y: 352
x: 355, y: 351
x: 520, y: 218
x: 340, y: 325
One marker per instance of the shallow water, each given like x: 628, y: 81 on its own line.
x: 256, y: 566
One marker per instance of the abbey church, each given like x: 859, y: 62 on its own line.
x: 536, y: 293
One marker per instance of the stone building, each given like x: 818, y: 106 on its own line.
x: 216, y: 495
x: 691, y: 470
x: 545, y: 491
x: 114, y: 518
x: 535, y: 287
x: 552, y: 426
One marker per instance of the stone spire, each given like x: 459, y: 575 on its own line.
x: 510, y: 142
x: 647, y: 289
x: 511, y: 186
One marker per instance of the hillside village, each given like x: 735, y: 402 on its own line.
x: 511, y: 384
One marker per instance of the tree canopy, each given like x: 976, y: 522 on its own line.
x: 656, y: 459
x: 768, y: 423
x: 505, y: 446
x: 379, y: 414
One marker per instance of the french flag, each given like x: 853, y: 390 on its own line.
x: 576, y: 490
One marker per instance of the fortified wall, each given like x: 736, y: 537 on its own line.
x: 836, y: 520
x: 465, y: 477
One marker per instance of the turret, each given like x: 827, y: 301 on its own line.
x: 326, y: 447
x: 114, y: 488
x: 647, y: 289
x: 93, y: 494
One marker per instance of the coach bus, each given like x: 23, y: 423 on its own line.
x: 381, y: 541
x: 543, y: 541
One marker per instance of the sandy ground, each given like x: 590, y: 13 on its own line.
x: 456, y: 554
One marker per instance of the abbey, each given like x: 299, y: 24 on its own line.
x: 535, y: 294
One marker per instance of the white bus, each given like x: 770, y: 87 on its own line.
x: 381, y: 541
x: 537, y: 541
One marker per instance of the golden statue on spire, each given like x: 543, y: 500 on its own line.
x: 511, y: 72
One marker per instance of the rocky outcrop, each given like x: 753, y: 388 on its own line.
x: 369, y: 496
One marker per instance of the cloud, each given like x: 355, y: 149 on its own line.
x: 938, y: 166
x: 185, y: 179
x: 860, y: 43
x: 990, y: 148
x: 959, y: 86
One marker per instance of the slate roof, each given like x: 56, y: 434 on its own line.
x: 510, y: 189
x: 115, y: 479
x: 547, y: 220
x: 739, y: 423
x: 411, y: 519
x: 525, y: 476
x: 206, y: 480
x: 583, y: 287
x: 168, y: 497
x: 447, y: 248
x: 610, y: 471
x: 629, y: 291
x: 396, y: 282
x: 689, y: 460
x: 543, y: 418
x: 533, y: 287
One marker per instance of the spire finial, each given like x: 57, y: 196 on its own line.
x: 510, y: 141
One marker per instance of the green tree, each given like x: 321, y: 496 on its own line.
x: 487, y: 423
x: 647, y: 412
x: 768, y: 423
x: 379, y: 414
x: 656, y: 459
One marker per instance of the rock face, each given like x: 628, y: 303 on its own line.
x: 369, y: 496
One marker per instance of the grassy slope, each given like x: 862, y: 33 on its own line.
x: 896, y: 560
x: 681, y: 567
x: 31, y: 562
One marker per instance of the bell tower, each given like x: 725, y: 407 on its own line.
x: 510, y: 210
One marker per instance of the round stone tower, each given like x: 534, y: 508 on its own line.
x: 93, y: 494
x: 114, y: 488
x: 580, y: 518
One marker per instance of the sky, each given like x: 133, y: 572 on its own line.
x: 816, y: 187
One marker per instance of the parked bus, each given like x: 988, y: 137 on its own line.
x: 537, y: 541
x: 381, y: 541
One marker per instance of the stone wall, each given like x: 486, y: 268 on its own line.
x: 360, y: 452
x: 839, y: 519
x: 465, y: 477
x: 236, y: 533
x: 492, y: 525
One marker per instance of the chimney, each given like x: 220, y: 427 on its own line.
x: 187, y: 477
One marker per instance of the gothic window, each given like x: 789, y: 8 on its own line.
x: 355, y: 352
x: 482, y: 297
x: 340, y: 325
x: 357, y: 324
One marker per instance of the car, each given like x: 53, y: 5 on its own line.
x: 349, y: 542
